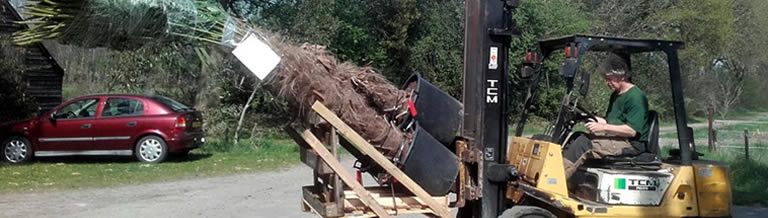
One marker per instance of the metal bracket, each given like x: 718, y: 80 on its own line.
x: 512, y: 33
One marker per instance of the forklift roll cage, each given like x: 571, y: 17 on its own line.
x: 579, y: 45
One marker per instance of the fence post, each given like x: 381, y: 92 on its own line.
x: 714, y: 139
x: 746, y: 143
x: 711, y: 118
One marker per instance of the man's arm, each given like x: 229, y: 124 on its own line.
x: 622, y: 130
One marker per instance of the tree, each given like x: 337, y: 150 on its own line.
x: 631, y: 19
x: 746, y: 54
x: 708, y: 28
x: 438, y: 53
x: 539, y: 20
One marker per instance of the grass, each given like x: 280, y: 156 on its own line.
x: 534, y: 125
x: 79, y: 172
x: 750, y: 181
x: 746, y: 114
x: 749, y: 178
x: 527, y: 131
x: 733, y: 131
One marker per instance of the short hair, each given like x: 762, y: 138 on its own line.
x: 615, y: 65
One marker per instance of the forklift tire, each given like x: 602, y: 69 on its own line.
x: 526, y: 212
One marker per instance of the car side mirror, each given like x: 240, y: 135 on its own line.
x: 52, y: 118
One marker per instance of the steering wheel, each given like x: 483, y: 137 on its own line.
x: 579, y: 114
x: 573, y: 114
x: 70, y: 114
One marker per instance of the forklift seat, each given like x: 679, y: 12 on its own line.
x: 649, y: 159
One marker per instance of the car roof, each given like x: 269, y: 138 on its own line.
x: 118, y: 95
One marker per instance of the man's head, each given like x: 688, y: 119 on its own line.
x: 616, y: 72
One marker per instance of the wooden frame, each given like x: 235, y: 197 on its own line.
x: 356, y: 200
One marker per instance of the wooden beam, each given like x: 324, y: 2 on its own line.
x: 365, y: 147
x: 364, y: 195
x: 306, y: 154
x: 403, y: 202
x: 338, y: 187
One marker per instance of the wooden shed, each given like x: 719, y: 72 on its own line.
x: 42, y: 75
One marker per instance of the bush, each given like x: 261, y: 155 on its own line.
x: 16, y: 104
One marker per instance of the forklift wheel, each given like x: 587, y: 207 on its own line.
x: 526, y: 212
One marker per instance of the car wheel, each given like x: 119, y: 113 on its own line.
x: 16, y: 150
x: 526, y: 212
x: 151, y: 149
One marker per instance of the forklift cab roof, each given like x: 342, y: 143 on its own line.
x: 608, y: 44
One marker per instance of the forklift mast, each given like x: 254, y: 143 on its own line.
x: 488, y: 32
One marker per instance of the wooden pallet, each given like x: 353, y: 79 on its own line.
x: 328, y: 197
x: 353, y: 206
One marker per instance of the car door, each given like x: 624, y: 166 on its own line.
x: 69, y: 127
x: 118, y: 124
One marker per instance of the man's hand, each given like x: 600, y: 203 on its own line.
x: 600, y: 120
x: 596, y: 127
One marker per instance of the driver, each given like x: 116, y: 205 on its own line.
x: 623, y: 131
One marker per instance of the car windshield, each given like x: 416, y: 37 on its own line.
x: 172, y: 104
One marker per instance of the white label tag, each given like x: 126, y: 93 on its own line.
x: 494, y: 62
x: 257, y: 56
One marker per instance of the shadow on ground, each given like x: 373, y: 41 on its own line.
x: 111, y: 159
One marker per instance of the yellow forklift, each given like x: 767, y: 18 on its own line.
x: 508, y: 177
x: 464, y: 147
x: 641, y: 185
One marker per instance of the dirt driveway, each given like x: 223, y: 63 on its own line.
x: 267, y: 194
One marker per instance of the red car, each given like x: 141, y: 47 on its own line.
x: 148, y: 127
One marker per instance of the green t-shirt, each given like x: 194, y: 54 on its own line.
x: 630, y: 108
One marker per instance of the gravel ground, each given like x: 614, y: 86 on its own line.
x: 267, y: 194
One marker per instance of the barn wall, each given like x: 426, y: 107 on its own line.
x: 43, y: 77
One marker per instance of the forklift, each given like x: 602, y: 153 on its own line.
x: 525, y: 177
x: 464, y: 147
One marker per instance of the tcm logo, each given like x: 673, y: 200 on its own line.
x: 636, y: 184
x: 492, y: 92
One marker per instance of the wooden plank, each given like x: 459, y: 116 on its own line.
x: 313, y: 202
x: 338, y: 187
x: 365, y: 196
x: 311, y: 159
x: 363, y: 145
x: 316, y: 204
x: 384, y: 196
x: 306, y: 154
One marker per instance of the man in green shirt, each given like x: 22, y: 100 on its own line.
x: 624, y: 130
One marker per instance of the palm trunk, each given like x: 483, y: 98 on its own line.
x: 242, y: 115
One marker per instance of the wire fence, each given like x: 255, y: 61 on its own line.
x: 743, y: 137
